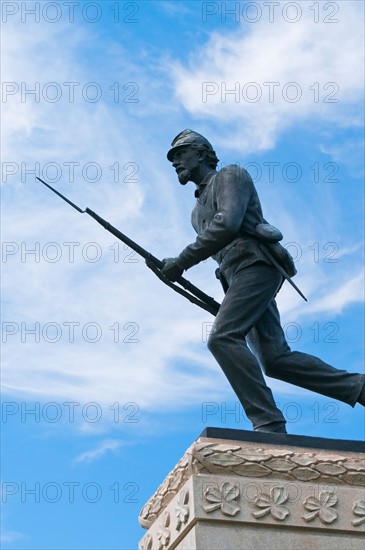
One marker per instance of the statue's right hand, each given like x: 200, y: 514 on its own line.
x: 171, y: 268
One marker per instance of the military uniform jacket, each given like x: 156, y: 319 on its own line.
x: 226, y: 211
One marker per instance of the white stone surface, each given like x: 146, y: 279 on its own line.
x: 231, y: 495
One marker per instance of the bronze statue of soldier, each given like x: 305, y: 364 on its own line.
x: 247, y: 335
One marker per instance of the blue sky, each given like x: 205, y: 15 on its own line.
x: 115, y: 366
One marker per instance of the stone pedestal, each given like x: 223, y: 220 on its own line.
x: 235, y: 489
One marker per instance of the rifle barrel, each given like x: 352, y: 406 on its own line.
x: 148, y: 256
x: 122, y: 237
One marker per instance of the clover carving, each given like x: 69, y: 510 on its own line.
x: 359, y: 510
x: 147, y: 542
x: 181, y: 509
x: 222, y: 499
x: 321, y: 507
x: 272, y: 504
x: 163, y: 534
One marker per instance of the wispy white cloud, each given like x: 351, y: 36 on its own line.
x: 349, y: 292
x: 174, y: 9
x: 11, y: 536
x: 303, y: 53
x: 98, y: 453
x: 349, y: 153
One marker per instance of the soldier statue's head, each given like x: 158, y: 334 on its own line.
x: 192, y: 156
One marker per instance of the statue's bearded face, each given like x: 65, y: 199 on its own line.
x: 186, y: 164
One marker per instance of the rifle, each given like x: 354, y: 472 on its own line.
x: 191, y: 292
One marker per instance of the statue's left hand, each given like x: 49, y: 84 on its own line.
x: 171, y: 268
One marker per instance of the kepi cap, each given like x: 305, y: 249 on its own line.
x: 185, y: 138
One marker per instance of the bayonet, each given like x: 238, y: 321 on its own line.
x: 192, y: 293
x: 282, y: 271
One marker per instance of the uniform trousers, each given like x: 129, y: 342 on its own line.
x: 249, y: 315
